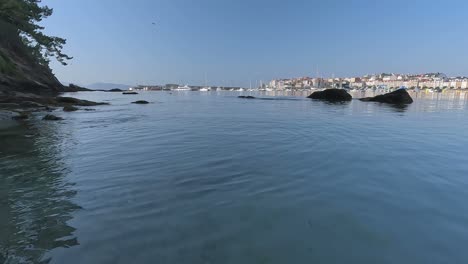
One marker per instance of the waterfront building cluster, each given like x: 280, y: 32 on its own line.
x: 178, y: 87
x: 434, y: 81
x: 302, y: 83
x: 386, y: 80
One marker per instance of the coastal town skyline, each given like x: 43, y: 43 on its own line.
x: 390, y: 80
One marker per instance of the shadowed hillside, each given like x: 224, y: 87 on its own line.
x: 19, y: 69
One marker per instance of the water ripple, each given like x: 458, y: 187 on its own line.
x: 211, y: 178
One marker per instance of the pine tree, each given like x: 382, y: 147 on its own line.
x: 25, y: 15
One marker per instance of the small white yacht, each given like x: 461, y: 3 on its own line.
x: 183, y: 88
x: 206, y: 88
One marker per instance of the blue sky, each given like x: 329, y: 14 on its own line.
x: 235, y: 41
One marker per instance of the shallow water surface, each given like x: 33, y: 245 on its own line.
x: 199, y: 177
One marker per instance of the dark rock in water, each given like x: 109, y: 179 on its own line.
x: 40, y: 103
x: 5, y: 120
x: 21, y: 116
x: 246, y: 97
x: 75, y: 88
x: 68, y: 100
x: 399, y: 96
x: 70, y: 108
x: 31, y: 104
x: 52, y: 118
x: 140, y: 102
x: 9, y: 105
x: 334, y: 95
x: 115, y: 90
x: 129, y: 93
x: 78, y: 102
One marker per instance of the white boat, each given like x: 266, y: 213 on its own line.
x: 183, y: 88
x: 219, y: 89
x: 206, y: 88
x: 241, y: 90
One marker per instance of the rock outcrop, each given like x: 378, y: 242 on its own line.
x: 21, y: 116
x: 52, y: 118
x: 31, y: 104
x: 26, y: 81
x: 400, y: 96
x: 76, y: 102
x: 70, y: 108
x: 41, y: 103
x: 332, y: 95
x: 140, y: 102
x: 7, y: 119
x: 71, y: 88
x: 19, y: 70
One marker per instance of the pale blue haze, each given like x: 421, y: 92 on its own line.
x: 237, y: 41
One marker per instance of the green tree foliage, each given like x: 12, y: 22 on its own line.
x: 25, y: 16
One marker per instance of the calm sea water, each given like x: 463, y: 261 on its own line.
x: 209, y: 178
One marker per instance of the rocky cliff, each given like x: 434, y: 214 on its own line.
x: 19, y: 70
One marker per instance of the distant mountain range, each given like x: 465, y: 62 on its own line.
x: 108, y: 86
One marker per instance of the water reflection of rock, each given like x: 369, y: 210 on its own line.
x: 400, y: 108
x: 35, y: 197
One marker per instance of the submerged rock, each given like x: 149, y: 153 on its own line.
x: 140, y: 102
x: 400, y: 96
x: 78, y: 102
x: 6, y: 121
x: 70, y: 108
x: 52, y: 118
x: 334, y: 95
x: 76, y: 88
x: 67, y: 100
x: 30, y: 104
x: 21, y: 116
x: 246, y: 97
x: 9, y: 105
x: 129, y: 93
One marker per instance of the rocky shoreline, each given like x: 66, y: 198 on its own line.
x: 20, y: 106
